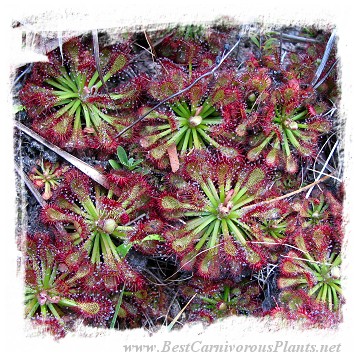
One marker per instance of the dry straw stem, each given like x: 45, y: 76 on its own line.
x: 176, y: 318
x: 31, y: 187
x: 79, y: 164
x: 324, y: 178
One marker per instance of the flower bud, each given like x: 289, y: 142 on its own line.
x: 222, y: 306
x: 109, y: 225
x: 195, y: 121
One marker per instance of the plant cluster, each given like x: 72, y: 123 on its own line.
x: 205, y: 166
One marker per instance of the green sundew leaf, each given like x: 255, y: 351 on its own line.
x: 54, y: 312
x: 237, y: 232
x: 114, y: 164
x: 207, y: 221
x: 213, y: 121
x: 254, y: 153
x: 203, y: 239
x: 17, y: 108
x: 29, y: 297
x: 67, y: 303
x: 269, y: 43
x: 93, y: 79
x: 122, y: 156
x: 207, y: 138
x: 197, y: 143
x: 132, y: 164
x: 107, y: 118
x: 213, y: 189
x: 335, y: 298
x: 31, y: 307
x: 206, y: 299
x: 288, y: 282
x: 92, y: 248
x: 118, y: 64
x: 171, y: 203
x: 186, y: 141
x: 315, y: 288
x: 336, y: 287
x: 324, y: 293
x: 209, y: 112
x: 320, y: 293
x: 226, y: 293
x: 255, y: 41
x: 123, y: 249
x: 292, y: 138
x: 177, y: 135
x: 153, y: 237
x: 179, y: 108
x: 117, y: 309
x: 337, y: 261
x: 330, y: 298
x: 205, y: 106
x: 182, y: 243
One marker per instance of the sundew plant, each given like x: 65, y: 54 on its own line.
x: 181, y: 175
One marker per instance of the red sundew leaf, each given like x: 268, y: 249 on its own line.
x: 53, y: 215
x: 319, y: 242
x: 37, y: 99
x: 273, y: 157
x: 188, y: 261
x: 145, y: 229
x: 77, y: 183
x: 111, y: 281
x: 170, y: 203
x: 54, y: 129
x: 182, y: 241
x: 231, y: 249
x: 294, y: 266
x: 300, y: 243
x: 196, y: 93
x: 86, y: 63
x: 284, y: 282
x: 96, y: 308
x: 111, y: 206
x: 132, y: 279
x: 254, y: 257
x: 168, y: 84
x: 50, y: 325
x: 71, y: 51
x: 291, y: 164
x: 208, y: 265
x: 124, y: 218
x: 118, y: 177
x: 319, y: 125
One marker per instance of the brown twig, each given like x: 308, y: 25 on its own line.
x: 324, y: 178
x: 151, y: 45
x: 95, y: 41
x: 211, y: 72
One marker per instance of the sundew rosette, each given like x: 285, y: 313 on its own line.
x: 95, y: 219
x: 71, y: 106
x: 191, y: 120
x: 214, y: 237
